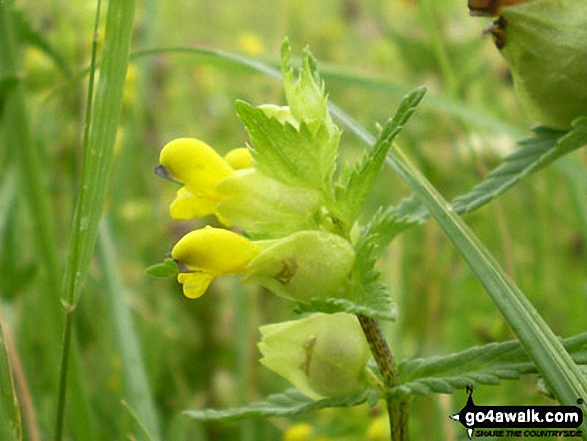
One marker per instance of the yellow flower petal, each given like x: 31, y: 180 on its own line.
x: 215, y: 251
x: 188, y: 205
x: 195, y: 284
x: 195, y: 164
x: 239, y: 158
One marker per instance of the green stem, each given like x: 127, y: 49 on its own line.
x: 67, y: 334
x: 397, y: 408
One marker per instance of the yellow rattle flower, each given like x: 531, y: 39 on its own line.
x: 298, y: 432
x: 208, y: 253
x: 197, y: 165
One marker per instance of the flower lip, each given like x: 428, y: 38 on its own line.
x: 202, y: 255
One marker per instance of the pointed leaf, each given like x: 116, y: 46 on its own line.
x: 379, y: 305
x: 544, y: 148
x: 486, y: 364
x: 167, y: 268
x: 354, y: 191
x: 551, y: 359
x: 297, y: 157
x: 285, y: 404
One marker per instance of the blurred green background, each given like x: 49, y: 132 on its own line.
x: 203, y: 352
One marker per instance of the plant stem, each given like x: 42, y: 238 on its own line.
x: 397, y: 408
x: 67, y: 333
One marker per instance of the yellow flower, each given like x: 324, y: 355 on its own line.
x: 208, y: 253
x: 250, y: 43
x: 298, y: 432
x: 197, y: 166
x: 379, y: 429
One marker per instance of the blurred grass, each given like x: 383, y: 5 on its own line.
x: 371, y: 52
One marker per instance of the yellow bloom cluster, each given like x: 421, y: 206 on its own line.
x: 210, y: 252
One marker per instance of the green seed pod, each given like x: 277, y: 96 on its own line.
x: 323, y: 355
x: 304, y: 265
x: 545, y: 45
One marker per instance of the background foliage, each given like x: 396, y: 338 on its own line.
x: 203, y: 353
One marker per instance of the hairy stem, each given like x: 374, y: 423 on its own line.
x: 397, y: 408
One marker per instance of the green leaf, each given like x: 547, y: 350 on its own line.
x: 545, y: 350
x: 486, y: 364
x: 305, y: 96
x: 544, y: 148
x: 297, y: 157
x: 167, y: 268
x: 378, y: 305
x: 352, y: 194
x: 285, y: 404
x: 537, y: 152
x: 10, y: 422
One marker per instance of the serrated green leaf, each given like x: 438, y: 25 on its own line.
x: 10, y: 421
x: 545, y: 147
x: 545, y: 350
x: 297, y: 157
x: 486, y: 364
x: 305, y: 95
x: 353, y: 193
x: 378, y: 305
x: 167, y: 268
x: 285, y: 404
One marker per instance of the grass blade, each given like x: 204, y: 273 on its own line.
x: 98, y: 152
x: 546, y: 351
x: 136, y: 384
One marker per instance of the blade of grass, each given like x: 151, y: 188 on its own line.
x: 98, y: 150
x: 35, y: 191
x: 546, y: 351
x: 452, y: 107
x: 138, y: 393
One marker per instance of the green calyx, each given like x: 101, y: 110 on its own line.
x: 545, y: 47
x: 322, y: 355
x: 303, y: 265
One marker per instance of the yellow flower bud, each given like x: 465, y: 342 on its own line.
x: 239, y: 158
x: 209, y: 253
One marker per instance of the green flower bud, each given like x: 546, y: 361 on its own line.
x: 323, y: 355
x: 305, y: 95
x: 304, y: 265
x: 544, y: 43
x: 261, y: 205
